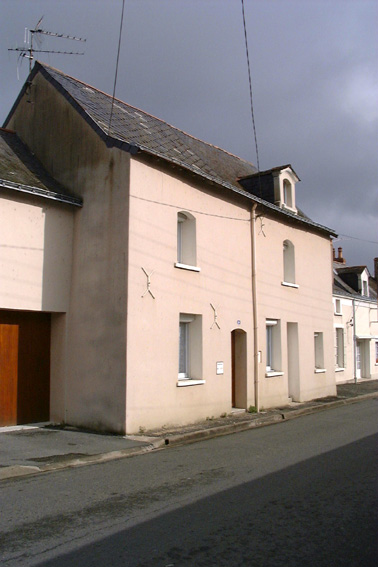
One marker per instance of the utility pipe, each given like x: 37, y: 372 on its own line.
x: 354, y: 342
x: 254, y: 308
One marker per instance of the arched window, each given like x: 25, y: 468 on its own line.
x: 288, y: 262
x: 186, y: 239
x: 288, y: 193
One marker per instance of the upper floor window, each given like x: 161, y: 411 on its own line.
x: 288, y: 262
x: 186, y: 241
x: 338, y: 307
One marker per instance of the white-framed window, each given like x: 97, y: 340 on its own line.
x: 288, y: 194
x: 273, y: 346
x: 339, y: 347
x: 186, y: 241
x: 190, y: 350
x: 365, y: 288
x: 319, y: 351
x: 288, y: 262
x: 338, y: 310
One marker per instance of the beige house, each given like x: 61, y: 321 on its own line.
x: 355, y: 321
x: 175, y: 281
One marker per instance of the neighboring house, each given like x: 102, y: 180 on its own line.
x: 186, y: 286
x: 355, y: 321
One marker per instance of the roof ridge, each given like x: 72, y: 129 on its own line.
x: 45, y: 65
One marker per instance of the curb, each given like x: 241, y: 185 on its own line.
x: 157, y: 443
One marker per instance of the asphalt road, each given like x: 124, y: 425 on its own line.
x: 302, y: 493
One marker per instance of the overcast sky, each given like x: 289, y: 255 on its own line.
x: 314, y: 71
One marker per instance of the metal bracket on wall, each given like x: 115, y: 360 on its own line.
x: 215, y: 322
x: 148, y: 290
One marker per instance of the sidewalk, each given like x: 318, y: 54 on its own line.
x: 26, y: 450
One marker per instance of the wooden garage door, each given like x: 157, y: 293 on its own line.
x: 24, y: 367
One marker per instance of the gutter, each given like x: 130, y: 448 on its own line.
x: 254, y: 308
x: 45, y: 193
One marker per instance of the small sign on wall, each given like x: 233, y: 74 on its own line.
x: 219, y: 367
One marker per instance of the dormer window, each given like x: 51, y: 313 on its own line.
x: 364, y: 283
x: 287, y: 194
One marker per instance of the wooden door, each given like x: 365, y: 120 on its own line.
x: 24, y: 367
x: 8, y: 374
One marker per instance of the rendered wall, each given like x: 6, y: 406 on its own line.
x: 94, y: 363
x: 35, y: 253
x: 224, y: 257
x: 309, y: 305
x: 365, y: 329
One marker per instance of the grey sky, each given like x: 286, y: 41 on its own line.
x: 315, y: 84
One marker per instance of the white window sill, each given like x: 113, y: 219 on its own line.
x: 337, y: 313
x: 273, y: 373
x: 339, y: 369
x: 187, y: 267
x: 320, y: 370
x: 288, y: 284
x: 189, y: 382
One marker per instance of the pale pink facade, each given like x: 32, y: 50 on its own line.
x: 144, y: 334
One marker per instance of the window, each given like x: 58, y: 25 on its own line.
x: 338, y: 307
x: 287, y: 194
x: 288, y: 262
x: 186, y: 241
x: 319, y: 353
x: 190, y: 350
x: 339, y: 348
x: 273, y: 347
x: 365, y: 288
x: 376, y: 352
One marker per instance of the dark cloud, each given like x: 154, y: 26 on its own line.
x: 315, y: 84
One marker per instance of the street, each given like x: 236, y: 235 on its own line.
x: 300, y: 493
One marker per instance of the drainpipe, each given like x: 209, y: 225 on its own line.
x: 254, y: 308
x: 354, y: 342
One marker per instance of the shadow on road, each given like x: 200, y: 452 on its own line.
x: 322, y: 512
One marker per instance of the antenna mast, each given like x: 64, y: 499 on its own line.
x: 28, y: 50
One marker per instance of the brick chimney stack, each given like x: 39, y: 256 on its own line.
x: 340, y: 259
x: 376, y: 269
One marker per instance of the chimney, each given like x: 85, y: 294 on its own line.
x: 339, y: 258
x: 376, y: 269
x: 334, y: 254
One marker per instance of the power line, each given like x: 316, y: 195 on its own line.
x: 250, y: 87
x: 355, y: 238
x: 116, y: 71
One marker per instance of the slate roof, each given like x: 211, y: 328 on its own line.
x: 21, y: 171
x: 136, y: 131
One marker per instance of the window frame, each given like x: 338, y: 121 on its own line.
x: 190, y: 341
x: 339, y: 348
x: 319, y: 352
x: 186, y: 245
x: 288, y: 253
x: 273, y: 357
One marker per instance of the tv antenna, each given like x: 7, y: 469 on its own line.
x: 28, y: 50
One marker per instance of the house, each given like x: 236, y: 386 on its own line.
x: 355, y: 321
x: 179, y: 283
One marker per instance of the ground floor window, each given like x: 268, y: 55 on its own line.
x: 339, y: 343
x: 273, y: 345
x: 376, y: 352
x: 190, y: 347
x: 319, y: 352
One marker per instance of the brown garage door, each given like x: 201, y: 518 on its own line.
x: 24, y: 367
